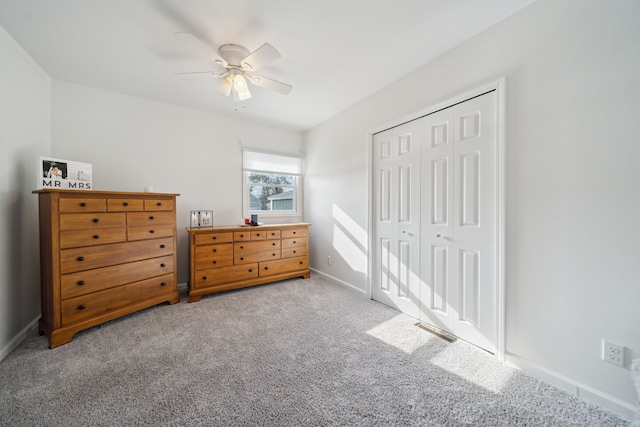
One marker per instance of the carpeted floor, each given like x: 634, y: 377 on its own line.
x: 293, y: 353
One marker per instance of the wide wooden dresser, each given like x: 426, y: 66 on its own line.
x: 224, y: 258
x: 103, y: 255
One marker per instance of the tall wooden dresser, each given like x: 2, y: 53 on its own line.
x: 224, y: 258
x: 103, y: 255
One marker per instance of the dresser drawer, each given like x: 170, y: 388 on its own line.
x: 258, y: 235
x: 150, y: 232
x: 97, y: 303
x: 242, y: 236
x: 273, y: 234
x: 209, y: 238
x: 73, y: 204
x: 293, y: 252
x: 261, y: 250
x: 283, y: 266
x: 218, y: 276
x: 124, y: 205
x: 139, y: 219
x: 294, y: 232
x: 295, y: 242
x: 91, y: 221
x: 158, y: 205
x: 80, y: 259
x: 213, y: 256
x: 99, y: 236
x: 85, y: 282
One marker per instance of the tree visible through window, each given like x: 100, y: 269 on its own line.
x: 271, y: 184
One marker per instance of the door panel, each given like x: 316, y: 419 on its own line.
x: 396, y: 251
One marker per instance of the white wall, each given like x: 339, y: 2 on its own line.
x: 25, y: 114
x: 134, y: 142
x: 573, y: 168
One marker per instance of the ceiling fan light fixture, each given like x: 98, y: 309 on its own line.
x: 241, y: 88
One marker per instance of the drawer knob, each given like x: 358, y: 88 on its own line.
x: 273, y: 234
x: 300, y: 262
x: 204, y: 277
x: 163, y: 284
x: 215, y: 262
x: 241, y: 247
x: 294, y: 232
x: 295, y: 252
x: 273, y: 244
x: 250, y: 270
x: 294, y: 242
x: 162, y: 246
x: 163, y: 265
x: 96, y: 236
x: 80, y: 258
x: 214, y: 237
x: 82, y: 307
x: 274, y: 254
x: 215, y: 250
x: 151, y: 217
x: 81, y: 283
x: 126, y: 203
x: 96, y: 219
x: 83, y: 204
x: 242, y: 235
x: 152, y: 231
x: 241, y: 259
x: 266, y: 268
x: 258, y: 234
x: 159, y: 204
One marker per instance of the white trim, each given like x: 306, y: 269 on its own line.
x: 16, y: 340
x: 499, y: 86
x: 337, y: 281
x: 604, y: 400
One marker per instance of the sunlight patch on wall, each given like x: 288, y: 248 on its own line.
x: 349, y: 240
x: 401, y: 333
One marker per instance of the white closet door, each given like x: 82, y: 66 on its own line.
x: 396, y: 217
x: 458, y: 232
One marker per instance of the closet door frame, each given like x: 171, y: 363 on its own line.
x: 499, y: 86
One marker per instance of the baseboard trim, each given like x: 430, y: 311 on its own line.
x: 604, y: 400
x: 16, y: 340
x: 337, y: 281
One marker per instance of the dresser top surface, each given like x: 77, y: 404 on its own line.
x: 220, y: 228
x: 100, y: 193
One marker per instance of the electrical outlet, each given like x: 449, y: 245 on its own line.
x: 328, y: 260
x: 612, y: 353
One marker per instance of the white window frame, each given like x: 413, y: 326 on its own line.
x: 292, y: 165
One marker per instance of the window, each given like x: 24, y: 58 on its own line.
x: 271, y: 184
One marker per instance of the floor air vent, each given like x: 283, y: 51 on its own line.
x: 437, y: 332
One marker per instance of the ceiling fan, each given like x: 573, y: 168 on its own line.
x: 240, y: 65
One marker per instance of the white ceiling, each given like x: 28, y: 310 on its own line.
x: 334, y: 52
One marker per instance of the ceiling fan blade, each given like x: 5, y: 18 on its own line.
x: 260, y: 57
x: 270, y: 84
x: 201, y: 73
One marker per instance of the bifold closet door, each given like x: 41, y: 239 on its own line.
x: 396, y: 217
x: 458, y: 231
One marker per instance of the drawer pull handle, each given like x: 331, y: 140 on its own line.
x: 214, y: 237
x: 250, y: 270
x: 266, y: 268
x: 274, y: 254
x: 96, y: 236
x: 163, y: 265
x: 80, y: 258
x: 152, y: 231
x: 295, y: 252
x: 300, y: 262
x: 273, y: 244
x: 82, y: 307
x: 215, y: 250
x: 96, y: 219
x: 151, y: 217
x: 81, y: 283
x: 204, y: 277
x: 83, y: 204
x: 162, y: 246
x: 258, y: 234
x: 241, y: 247
x: 294, y: 242
x: 215, y: 262
x: 241, y: 236
x: 163, y: 284
x: 159, y: 204
x: 126, y: 203
x: 241, y: 259
x: 294, y: 232
x: 273, y: 234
